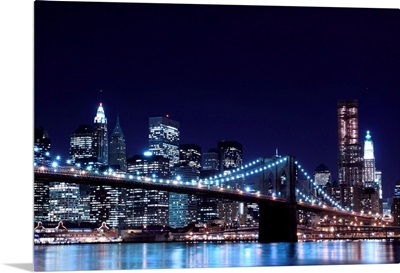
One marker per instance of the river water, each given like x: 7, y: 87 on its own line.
x: 125, y: 256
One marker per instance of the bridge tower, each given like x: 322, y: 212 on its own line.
x: 278, y: 221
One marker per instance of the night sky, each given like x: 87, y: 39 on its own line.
x: 267, y: 77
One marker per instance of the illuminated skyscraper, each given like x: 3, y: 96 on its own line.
x: 117, y: 149
x: 80, y: 148
x: 230, y: 154
x: 147, y: 207
x: 100, y: 137
x: 349, y: 155
x: 164, y: 138
x: 183, y: 207
x: 322, y: 175
x: 322, y: 178
x: 42, y: 147
x: 369, y: 162
x: 64, y: 202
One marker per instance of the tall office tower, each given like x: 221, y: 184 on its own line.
x: 183, y: 207
x: 107, y: 205
x: 42, y: 149
x: 230, y: 155
x: 164, y: 138
x: 322, y: 176
x: 117, y: 153
x: 209, y: 163
x: 230, y: 158
x: 369, y: 162
x: 349, y: 155
x: 64, y: 202
x: 147, y: 207
x: 80, y: 147
x: 100, y: 137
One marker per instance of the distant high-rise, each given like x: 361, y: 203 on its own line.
x: 369, y: 161
x: 322, y: 175
x: 210, y: 160
x: 42, y: 147
x: 164, y: 138
x: 350, y: 166
x: 231, y: 157
x: 230, y: 154
x: 100, y: 137
x: 80, y: 147
x: 349, y: 152
x: 117, y: 153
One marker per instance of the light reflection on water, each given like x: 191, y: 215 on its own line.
x: 211, y: 255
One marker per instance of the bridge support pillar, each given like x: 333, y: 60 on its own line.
x: 278, y: 221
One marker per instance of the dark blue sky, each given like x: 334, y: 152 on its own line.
x: 268, y: 77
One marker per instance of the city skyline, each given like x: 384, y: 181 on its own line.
x: 140, y: 62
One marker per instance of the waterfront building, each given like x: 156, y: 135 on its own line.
x: 80, y: 147
x: 64, y: 202
x: 147, y: 207
x: 164, y: 138
x: 117, y: 153
x: 41, y: 156
x: 107, y: 205
x: 100, y: 137
x: 349, y: 155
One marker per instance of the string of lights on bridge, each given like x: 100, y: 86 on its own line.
x: 318, y: 188
x: 241, y: 172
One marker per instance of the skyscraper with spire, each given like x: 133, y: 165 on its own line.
x: 100, y: 137
x: 117, y: 152
x: 369, y: 161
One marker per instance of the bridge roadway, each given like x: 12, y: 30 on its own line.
x: 83, y: 177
